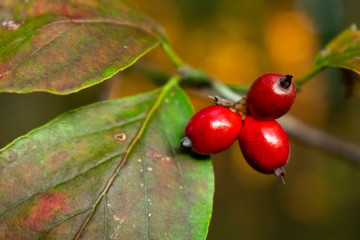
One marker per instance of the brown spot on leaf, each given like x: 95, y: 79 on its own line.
x: 120, y: 137
x: 47, y: 208
x: 156, y: 156
x: 167, y: 159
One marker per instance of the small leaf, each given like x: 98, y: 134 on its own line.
x: 110, y: 170
x: 64, y: 46
x: 342, y: 52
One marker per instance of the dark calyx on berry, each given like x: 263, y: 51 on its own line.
x: 270, y: 96
x: 285, y: 82
x: 186, y: 142
x: 280, y: 173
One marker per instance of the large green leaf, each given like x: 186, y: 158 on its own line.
x: 110, y: 170
x: 64, y: 46
x: 343, y: 51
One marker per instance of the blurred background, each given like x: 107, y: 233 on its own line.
x: 237, y: 41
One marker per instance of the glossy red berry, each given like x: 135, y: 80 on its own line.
x: 265, y: 145
x: 270, y: 96
x: 212, y: 130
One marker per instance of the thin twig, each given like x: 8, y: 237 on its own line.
x: 187, y: 72
x: 319, y: 138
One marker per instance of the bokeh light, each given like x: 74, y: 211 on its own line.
x: 290, y: 44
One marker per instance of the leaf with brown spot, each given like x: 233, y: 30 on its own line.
x: 62, y: 47
x: 111, y: 170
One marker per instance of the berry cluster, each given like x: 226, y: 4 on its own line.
x: 263, y: 142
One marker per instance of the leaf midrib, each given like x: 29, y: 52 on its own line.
x: 174, y: 81
x: 132, y: 120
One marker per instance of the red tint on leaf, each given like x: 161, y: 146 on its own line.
x: 47, y: 208
x: 356, y: 37
x: 71, y: 12
x: 343, y: 51
x: 58, y: 158
x: 62, y: 47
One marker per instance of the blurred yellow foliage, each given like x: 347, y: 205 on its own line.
x: 233, y: 62
x: 309, y: 198
x: 290, y: 42
x: 129, y: 83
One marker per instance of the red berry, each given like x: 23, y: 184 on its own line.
x: 270, y: 96
x: 212, y: 130
x: 265, y: 145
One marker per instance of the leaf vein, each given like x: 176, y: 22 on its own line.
x: 146, y: 197
x: 57, y: 36
x: 61, y: 183
x: 141, y: 131
x: 182, y: 180
x: 71, y: 23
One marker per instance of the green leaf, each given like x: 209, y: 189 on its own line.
x: 62, y: 47
x: 342, y: 52
x: 110, y: 170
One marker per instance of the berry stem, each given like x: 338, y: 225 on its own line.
x: 240, y: 89
x: 176, y: 60
x: 224, y: 90
x: 222, y: 101
x: 310, y: 74
x: 192, y: 75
